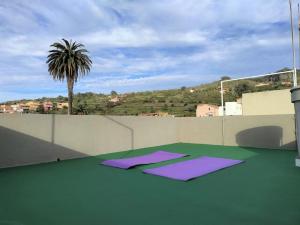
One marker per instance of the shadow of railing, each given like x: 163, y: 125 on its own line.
x: 264, y: 137
x: 125, y: 126
x: 131, y: 130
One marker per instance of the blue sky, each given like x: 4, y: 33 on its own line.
x: 141, y: 45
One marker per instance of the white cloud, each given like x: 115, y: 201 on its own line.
x: 141, y: 37
x: 143, y: 44
x: 125, y: 82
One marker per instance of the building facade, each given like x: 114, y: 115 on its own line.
x: 62, y: 105
x: 204, y: 110
x: 268, y: 103
x: 233, y: 109
x: 6, y: 109
x: 47, y: 106
x: 32, y: 105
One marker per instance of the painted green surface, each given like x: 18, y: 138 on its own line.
x: 263, y: 190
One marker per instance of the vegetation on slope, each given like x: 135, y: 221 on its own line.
x: 178, y: 102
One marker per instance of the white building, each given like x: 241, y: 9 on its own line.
x: 231, y: 109
x: 16, y: 108
x: 220, y: 111
x: 115, y: 99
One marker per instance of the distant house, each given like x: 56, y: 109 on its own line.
x: 155, y: 114
x: 115, y: 99
x: 47, y: 106
x: 221, y: 111
x: 16, y: 108
x: 225, y: 89
x: 204, y: 110
x: 287, y: 83
x: 32, y: 105
x: 62, y: 105
x: 6, y: 109
x: 2, y: 108
x: 233, y: 108
x: 262, y: 84
x: 24, y: 108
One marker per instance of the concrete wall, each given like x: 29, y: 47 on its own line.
x: 36, y: 125
x: 204, y: 130
x: 28, y: 139
x: 267, y: 103
x: 204, y: 110
x: 33, y: 138
x: 272, y: 131
x: 96, y: 135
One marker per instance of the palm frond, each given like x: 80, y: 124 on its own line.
x: 68, y: 60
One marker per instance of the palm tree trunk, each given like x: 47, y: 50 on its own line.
x: 70, y: 82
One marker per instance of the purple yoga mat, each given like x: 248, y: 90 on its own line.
x: 154, y: 157
x: 193, y: 168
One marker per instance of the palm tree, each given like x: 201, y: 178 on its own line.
x: 67, y: 61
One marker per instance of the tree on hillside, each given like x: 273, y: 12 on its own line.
x: 113, y: 93
x: 284, y: 69
x: 225, y: 78
x: 40, y: 109
x: 82, y: 108
x: 67, y: 60
x: 241, y: 88
x: 273, y: 78
x: 61, y: 98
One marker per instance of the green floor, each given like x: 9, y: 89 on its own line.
x: 263, y: 190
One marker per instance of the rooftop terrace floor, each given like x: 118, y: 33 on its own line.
x: 263, y: 190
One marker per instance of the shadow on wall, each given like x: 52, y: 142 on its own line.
x: 20, y: 149
x: 264, y: 137
x: 131, y: 130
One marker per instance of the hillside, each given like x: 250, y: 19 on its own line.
x: 178, y: 102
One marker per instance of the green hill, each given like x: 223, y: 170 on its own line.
x: 177, y: 102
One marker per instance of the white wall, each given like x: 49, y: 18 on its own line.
x: 233, y: 108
